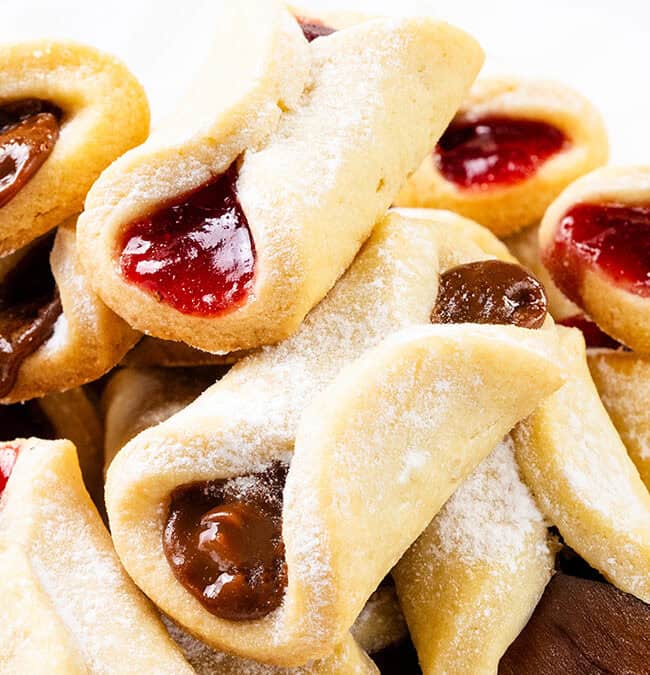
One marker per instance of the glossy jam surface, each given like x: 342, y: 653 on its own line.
x: 197, y: 254
x: 223, y: 541
x: 594, y: 337
x: 23, y: 420
x: 8, y: 456
x: 29, y: 130
x: 313, y: 28
x: 495, y: 151
x: 611, y: 238
x: 29, y: 308
x: 490, y: 291
x: 582, y: 626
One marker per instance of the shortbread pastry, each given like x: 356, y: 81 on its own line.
x: 582, y: 626
x: 423, y: 407
x: 470, y: 582
x: 67, y: 605
x: 70, y: 415
x: 513, y: 147
x: 138, y: 398
x: 347, y: 659
x: 66, y: 112
x: 623, y: 382
x: 381, y: 622
x: 575, y: 463
x: 283, y: 163
x: 595, y: 242
x: 57, y: 333
x: 154, y: 352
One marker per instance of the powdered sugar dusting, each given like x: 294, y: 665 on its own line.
x: 207, y: 661
x: 490, y: 516
x: 77, y: 567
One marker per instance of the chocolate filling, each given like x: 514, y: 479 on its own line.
x: 490, y: 291
x: 29, y: 130
x: 29, y: 308
x: 313, y: 28
x: 23, y: 420
x: 223, y: 541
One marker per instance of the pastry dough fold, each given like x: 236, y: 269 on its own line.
x: 378, y: 444
x: 325, y: 134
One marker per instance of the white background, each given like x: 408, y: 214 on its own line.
x: 601, y: 47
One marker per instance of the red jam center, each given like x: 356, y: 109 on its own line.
x: 196, y: 254
x: 497, y: 151
x: 313, y: 28
x: 8, y: 456
x: 612, y: 238
x: 594, y: 337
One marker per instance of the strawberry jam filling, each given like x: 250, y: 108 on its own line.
x: 495, y: 151
x: 29, y: 130
x: 223, y: 541
x: 313, y: 28
x: 611, y: 238
x: 195, y: 254
x: 8, y: 456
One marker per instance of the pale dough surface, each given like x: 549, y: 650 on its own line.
x: 105, y: 113
x: 620, y: 313
x: 325, y: 140
x: 68, y: 606
x: 301, y: 393
x: 88, y: 338
x: 575, y: 463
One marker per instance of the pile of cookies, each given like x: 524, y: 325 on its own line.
x: 317, y: 418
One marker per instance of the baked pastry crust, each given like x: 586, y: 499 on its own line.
x: 68, y: 606
x: 623, y: 382
x: 619, y: 313
x: 381, y: 622
x: 470, y: 582
x: 314, y: 177
x: 508, y: 209
x: 348, y: 659
x: 301, y: 395
x: 153, y: 352
x: 138, y: 398
x: 88, y: 339
x: 105, y: 113
x: 575, y: 463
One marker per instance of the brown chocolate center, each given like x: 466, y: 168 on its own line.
x: 490, y: 291
x: 29, y: 130
x: 223, y: 541
x: 29, y: 308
